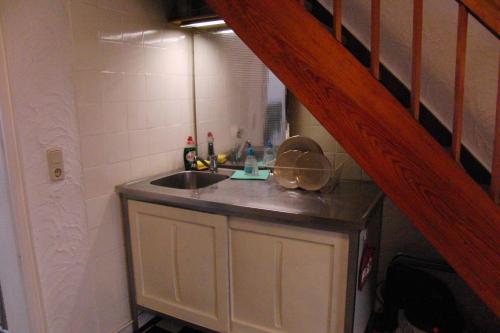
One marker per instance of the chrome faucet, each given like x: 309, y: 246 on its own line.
x: 197, y: 158
x: 213, y: 163
x: 241, y: 149
x: 212, y: 157
x: 211, y: 153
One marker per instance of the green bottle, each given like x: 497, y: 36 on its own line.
x: 190, y: 153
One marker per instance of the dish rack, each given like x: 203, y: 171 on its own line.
x: 301, y: 163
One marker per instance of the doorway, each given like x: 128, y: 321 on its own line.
x: 3, y: 316
x: 13, y: 310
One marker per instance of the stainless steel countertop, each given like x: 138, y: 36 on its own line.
x: 346, y: 208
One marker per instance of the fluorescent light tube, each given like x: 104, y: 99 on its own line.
x: 225, y: 31
x: 203, y: 24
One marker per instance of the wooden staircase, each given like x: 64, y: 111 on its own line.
x: 419, y: 175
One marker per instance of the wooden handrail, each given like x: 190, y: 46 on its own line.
x: 486, y: 11
x: 452, y: 211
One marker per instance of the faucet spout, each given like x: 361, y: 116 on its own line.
x: 197, y: 158
x: 211, y: 153
x: 213, y: 163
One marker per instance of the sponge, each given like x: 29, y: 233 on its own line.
x: 221, y: 159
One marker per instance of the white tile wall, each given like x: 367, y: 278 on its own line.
x: 133, y: 86
x: 302, y: 122
x: 228, y: 98
x: 231, y: 93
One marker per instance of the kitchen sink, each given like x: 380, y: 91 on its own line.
x: 190, y: 180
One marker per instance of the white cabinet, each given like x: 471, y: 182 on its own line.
x: 239, y: 276
x: 180, y: 263
x: 286, y: 279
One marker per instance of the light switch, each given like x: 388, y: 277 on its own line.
x: 56, y: 166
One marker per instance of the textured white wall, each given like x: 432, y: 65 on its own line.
x: 38, y: 50
x: 111, y: 85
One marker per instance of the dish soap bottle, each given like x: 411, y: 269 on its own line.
x: 251, y: 166
x: 190, y: 152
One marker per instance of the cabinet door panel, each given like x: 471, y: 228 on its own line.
x: 253, y: 280
x: 196, y: 261
x: 306, y: 280
x: 286, y: 279
x: 155, y: 238
x: 180, y: 263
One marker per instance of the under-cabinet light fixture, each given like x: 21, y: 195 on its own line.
x: 203, y: 24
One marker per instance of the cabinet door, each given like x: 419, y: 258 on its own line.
x: 286, y: 279
x: 180, y: 263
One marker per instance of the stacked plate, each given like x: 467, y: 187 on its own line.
x: 302, y: 164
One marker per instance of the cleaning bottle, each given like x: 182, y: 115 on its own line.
x: 190, y: 152
x: 268, y: 154
x: 251, y: 166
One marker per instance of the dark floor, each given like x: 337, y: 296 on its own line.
x: 158, y: 325
x: 157, y: 329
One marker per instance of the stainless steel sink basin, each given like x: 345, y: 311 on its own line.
x: 190, y: 180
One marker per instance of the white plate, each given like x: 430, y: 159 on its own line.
x: 285, y: 170
x: 301, y: 143
x: 314, y: 171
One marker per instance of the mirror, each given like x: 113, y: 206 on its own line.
x: 237, y: 97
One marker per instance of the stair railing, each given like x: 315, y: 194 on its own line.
x: 488, y: 14
x: 450, y: 210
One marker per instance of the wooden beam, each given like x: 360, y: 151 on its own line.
x: 452, y: 211
x: 486, y: 11
x: 375, y: 39
x: 495, y: 169
x: 458, y: 115
x: 416, y: 58
x: 337, y: 19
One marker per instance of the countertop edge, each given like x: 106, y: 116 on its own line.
x: 300, y: 220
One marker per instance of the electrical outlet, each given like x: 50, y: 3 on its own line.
x: 56, y: 165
